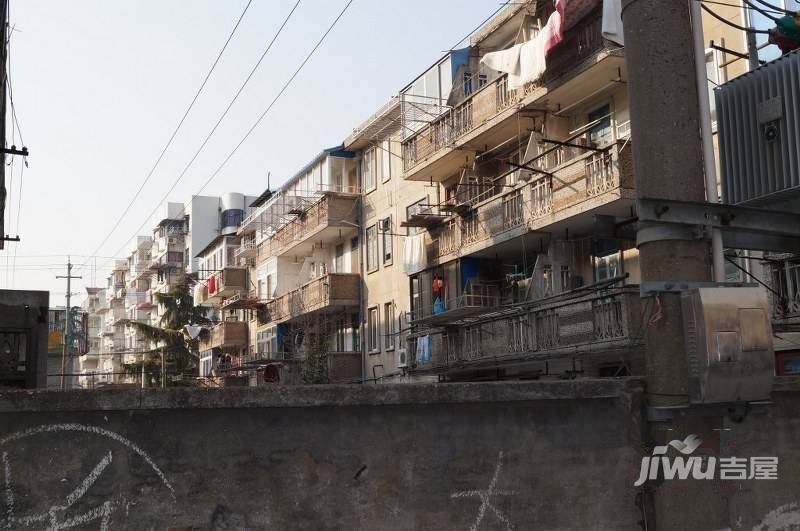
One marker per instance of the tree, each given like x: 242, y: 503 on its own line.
x: 177, y: 351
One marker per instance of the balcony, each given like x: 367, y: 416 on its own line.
x: 579, y: 66
x: 223, y: 284
x: 226, y: 335
x: 603, y: 321
x: 247, y: 249
x: 330, y: 292
x: 325, y: 220
x: 582, y: 183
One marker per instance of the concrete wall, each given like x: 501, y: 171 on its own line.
x: 326, y: 457
x: 534, y: 455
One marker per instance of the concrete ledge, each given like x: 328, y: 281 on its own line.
x: 313, y: 396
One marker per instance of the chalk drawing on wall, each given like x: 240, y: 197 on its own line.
x: 784, y: 518
x: 485, y: 496
x: 57, y: 516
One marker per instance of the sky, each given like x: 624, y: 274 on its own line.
x: 100, y: 85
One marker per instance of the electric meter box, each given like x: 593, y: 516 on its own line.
x: 728, y: 336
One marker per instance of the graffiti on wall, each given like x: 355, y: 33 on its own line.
x: 62, y: 514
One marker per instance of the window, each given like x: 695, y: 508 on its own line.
x: 368, y: 170
x: 372, y: 248
x: 232, y: 217
x: 386, y: 237
x: 565, y: 278
x: 267, y: 343
x: 413, y: 209
x: 606, y: 267
x: 372, y: 330
x: 386, y: 161
x: 338, y: 260
x: 388, y: 325
x: 355, y: 326
x: 600, y: 133
x: 467, y: 83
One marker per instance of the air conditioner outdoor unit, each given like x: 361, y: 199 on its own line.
x: 401, y: 358
x: 173, y: 241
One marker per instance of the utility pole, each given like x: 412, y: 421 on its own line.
x: 65, y: 351
x: 668, y: 164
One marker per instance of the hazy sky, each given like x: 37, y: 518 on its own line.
x: 99, y: 85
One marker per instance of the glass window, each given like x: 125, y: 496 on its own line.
x: 368, y: 169
x: 355, y: 326
x: 372, y: 329
x: 232, y: 217
x: 386, y: 237
x: 372, y: 248
x: 386, y: 161
x: 600, y: 133
x: 388, y: 325
x: 338, y: 261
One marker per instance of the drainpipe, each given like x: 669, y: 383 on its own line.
x: 362, y: 310
x: 710, y: 168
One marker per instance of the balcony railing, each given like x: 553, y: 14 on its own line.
x: 586, y: 175
x: 326, y: 211
x: 785, y: 284
x: 223, y: 284
x: 484, y: 104
x: 226, y: 335
x: 600, y: 320
x: 334, y: 290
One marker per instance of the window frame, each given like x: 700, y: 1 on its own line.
x: 388, y: 326
x: 386, y: 237
x: 386, y: 161
x: 369, y: 170
x: 372, y: 262
x: 373, y: 330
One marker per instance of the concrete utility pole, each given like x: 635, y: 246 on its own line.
x: 65, y: 349
x: 668, y: 164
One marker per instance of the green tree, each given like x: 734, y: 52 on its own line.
x: 178, y: 351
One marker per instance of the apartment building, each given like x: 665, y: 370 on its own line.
x: 516, y: 268
x: 386, y: 198
x: 301, y: 245
x: 89, y: 364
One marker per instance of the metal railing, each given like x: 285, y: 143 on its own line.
x: 581, y: 322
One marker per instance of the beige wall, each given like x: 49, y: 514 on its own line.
x: 389, y: 284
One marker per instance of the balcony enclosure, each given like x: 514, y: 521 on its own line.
x: 227, y: 335
x: 589, y: 331
x: 331, y: 292
x: 484, y: 112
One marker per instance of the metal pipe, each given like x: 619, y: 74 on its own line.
x: 709, y: 163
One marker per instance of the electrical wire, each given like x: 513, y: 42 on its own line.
x: 479, y: 26
x: 256, y: 123
x: 778, y: 9
x: 729, y: 23
x: 759, y: 10
x: 716, y: 2
x: 214, y: 128
x: 175, y: 131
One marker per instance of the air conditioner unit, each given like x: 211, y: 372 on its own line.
x: 172, y: 241
x: 401, y: 358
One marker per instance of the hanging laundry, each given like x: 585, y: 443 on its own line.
x: 612, y: 21
x: 414, y: 254
x: 424, y: 348
x: 212, y: 285
x: 438, y: 307
x: 506, y: 61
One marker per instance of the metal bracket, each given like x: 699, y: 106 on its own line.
x: 653, y: 232
x: 741, y: 227
x: 649, y: 288
x: 736, y: 410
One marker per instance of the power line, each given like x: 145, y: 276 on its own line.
x: 261, y: 117
x: 479, y: 26
x: 729, y: 23
x: 174, y: 132
x: 216, y: 125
